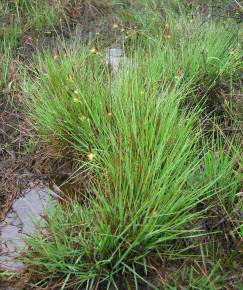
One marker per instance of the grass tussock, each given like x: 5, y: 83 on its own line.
x: 153, y: 177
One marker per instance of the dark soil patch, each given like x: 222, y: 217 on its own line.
x: 11, y: 137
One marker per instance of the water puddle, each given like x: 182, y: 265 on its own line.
x: 115, y: 59
x: 27, y: 211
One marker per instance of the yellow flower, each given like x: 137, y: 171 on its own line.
x: 82, y: 118
x: 76, y: 92
x: 233, y: 52
x: 115, y: 26
x: 69, y: 77
x: 75, y: 99
x: 91, y: 156
x: 154, y: 213
x: 94, y: 50
x: 109, y: 114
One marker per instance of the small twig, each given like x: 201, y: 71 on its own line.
x: 203, y: 258
x: 206, y: 276
x: 241, y: 7
x: 219, y: 222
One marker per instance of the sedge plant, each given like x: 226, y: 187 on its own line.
x: 143, y: 152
